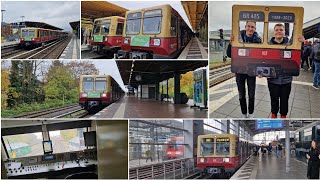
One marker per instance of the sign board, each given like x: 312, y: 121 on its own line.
x: 97, y: 38
x: 269, y: 124
x: 200, y: 87
x: 143, y: 41
x: 251, y: 16
x: 93, y: 94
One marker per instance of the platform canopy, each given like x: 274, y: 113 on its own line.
x: 312, y: 28
x: 293, y: 125
x: 75, y: 25
x: 36, y: 24
x: 195, y: 11
x: 99, y: 9
x: 149, y: 71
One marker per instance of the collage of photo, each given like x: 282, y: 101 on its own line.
x: 160, y: 89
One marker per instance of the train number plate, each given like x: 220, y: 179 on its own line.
x: 27, y: 38
x: 97, y: 38
x: 94, y: 95
x: 140, y: 41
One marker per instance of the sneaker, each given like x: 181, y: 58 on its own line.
x: 244, y: 115
x: 283, y: 117
x: 301, y: 69
x: 273, y: 116
x: 251, y: 115
x: 315, y: 86
x: 310, y: 68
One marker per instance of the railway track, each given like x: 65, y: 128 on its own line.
x: 52, y: 50
x: 220, y: 75
x: 52, y: 112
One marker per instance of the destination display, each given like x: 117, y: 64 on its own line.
x: 269, y: 124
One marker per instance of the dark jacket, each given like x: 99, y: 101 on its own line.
x: 281, y: 79
x: 315, y: 51
x: 253, y: 39
x: 313, y: 164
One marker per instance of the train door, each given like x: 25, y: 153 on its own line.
x: 152, y: 92
x: 173, y: 46
x: 119, y: 32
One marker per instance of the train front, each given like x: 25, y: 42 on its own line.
x: 107, y: 34
x: 28, y: 37
x: 148, y: 34
x: 217, y: 154
x: 94, y: 92
x: 175, y: 148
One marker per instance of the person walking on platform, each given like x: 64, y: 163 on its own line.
x: 315, y: 56
x: 149, y: 155
x: 249, y: 35
x: 279, y: 151
x: 280, y: 87
x: 313, y: 161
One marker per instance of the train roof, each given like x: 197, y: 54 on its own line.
x: 109, y: 17
x: 164, y: 6
x: 41, y: 29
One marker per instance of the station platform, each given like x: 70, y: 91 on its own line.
x: 194, y: 50
x: 303, y: 100
x: 271, y: 167
x: 133, y: 107
x: 72, y: 50
x: 9, y: 43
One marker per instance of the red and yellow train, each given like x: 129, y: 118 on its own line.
x: 107, y: 35
x: 154, y: 33
x: 36, y: 36
x: 222, y: 154
x: 98, y: 91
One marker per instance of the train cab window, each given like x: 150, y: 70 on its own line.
x: 133, y: 23
x: 96, y: 27
x: 283, y: 31
x: 119, y: 29
x: 87, y: 84
x: 23, y: 145
x: 173, y: 27
x: 251, y: 32
x: 223, y: 146
x: 24, y: 33
x: 175, y: 144
x: 105, y: 26
x: 67, y: 140
x: 207, y: 146
x: 101, y: 84
x: 152, y: 22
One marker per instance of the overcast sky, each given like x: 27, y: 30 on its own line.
x: 220, y: 13
x: 56, y: 13
x: 133, y: 5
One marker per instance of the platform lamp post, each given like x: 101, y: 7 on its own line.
x: 287, y: 142
x: 2, y: 10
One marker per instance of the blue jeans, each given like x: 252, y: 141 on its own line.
x: 316, y: 75
x: 279, y: 153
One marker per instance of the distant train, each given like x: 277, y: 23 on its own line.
x: 98, y: 91
x: 33, y: 37
x: 222, y: 154
x: 107, y: 35
x: 154, y: 33
x: 174, y: 148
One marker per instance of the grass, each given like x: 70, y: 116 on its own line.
x: 25, y: 108
x: 214, y: 64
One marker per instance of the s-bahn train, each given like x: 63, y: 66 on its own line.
x: 303, y: 138
x: 222, y: 154
x: 154, y: 33
x: 98, y: 91
x: 107, y: 34
x: 174, y: 148
x: 32, y: 37
x: 274, y: 46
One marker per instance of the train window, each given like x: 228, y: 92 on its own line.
x: 87, y: 84
x: 105, y: 26
x: 152, y: 22
x: 24, y: 145
x: 280, y: 33
x: 101, y: 85
x: 207, y: 147
x: 67, y: 140
x: 173, y: 27
x: 96, y: 27
x: 251, y: 32
x: 237, y: 147
x: 307, y: 134
x: 317, y: 131
x: 133, y: 23
x: 119, y: 29
x: 24, y: 33
x: 223, y: 146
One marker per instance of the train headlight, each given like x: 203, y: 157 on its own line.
x: 84, y: 95
x: 226, y: 159
x: 104, y: 95
x: 202, y: 160
x: 179, y: 152
x: 155, y: 42
x: 168, y: 152
x: 126, y: 40
x: 243, y: 52
x: 287, y: 54
x: 105, y: 39
x: 32, y: 39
